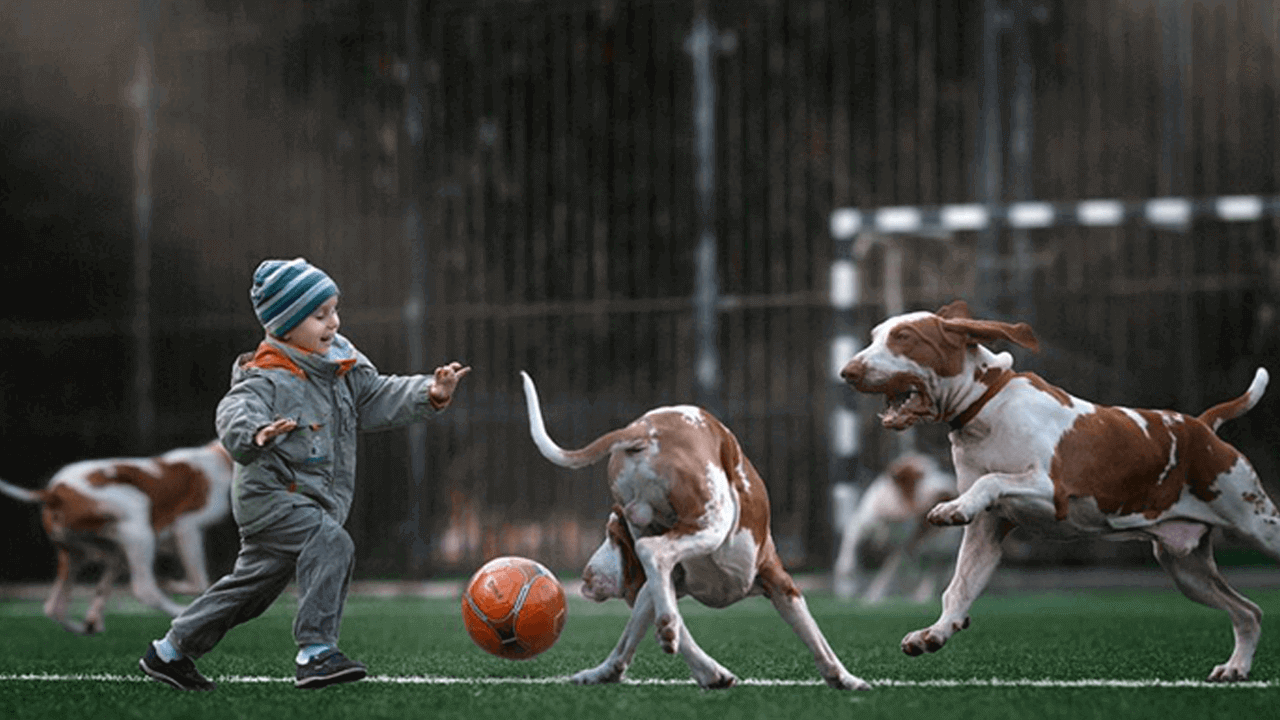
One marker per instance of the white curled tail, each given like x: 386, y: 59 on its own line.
x: 549, y: 449
x: 19, y: 493
x: 598, y: 449
x: 1232, y: 409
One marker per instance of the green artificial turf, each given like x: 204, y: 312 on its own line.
x: 1093, y: 635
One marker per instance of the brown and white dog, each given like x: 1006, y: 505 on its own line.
x: 888, y: 521
x: 691, y: 518
x: 93, y: 508
x: 1030, y: 455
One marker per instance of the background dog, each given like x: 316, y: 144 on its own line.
x: 99, y: 510
x: 692, y: 518
x: 885, y: 527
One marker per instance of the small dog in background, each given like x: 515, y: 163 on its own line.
x: 96, y: 510
x: 886, y: 525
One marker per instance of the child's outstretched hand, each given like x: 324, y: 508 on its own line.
x: 279, y: 427
x: 446, y: 381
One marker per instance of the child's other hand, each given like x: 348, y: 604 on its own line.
x: 446, y: 381
x: 279, y: 427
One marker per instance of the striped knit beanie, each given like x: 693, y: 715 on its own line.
x: 286, y: 291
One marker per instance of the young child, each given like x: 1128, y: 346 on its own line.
x: 290, y: 421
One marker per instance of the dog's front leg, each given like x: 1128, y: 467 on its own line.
x: 709, y: 673
x: 986, y: 490
x: 980, y: 553
x: 615, y: 666
x: 845, y: 572
x: 189, y: 538
x: 660, y: 554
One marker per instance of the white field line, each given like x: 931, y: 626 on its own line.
x: 754, y: 682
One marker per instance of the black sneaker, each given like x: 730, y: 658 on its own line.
x: 329, y: 668
x: 180, y: 673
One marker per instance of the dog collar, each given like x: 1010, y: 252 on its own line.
x: 997, y: 383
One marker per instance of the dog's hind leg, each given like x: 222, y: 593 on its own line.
x: 139, y: 544
x: 790, y: 604
x: 95, y: 616
x: 879, y: 587
x: 55, y: 608
x: 1196, y: 575
x: 189, y: 538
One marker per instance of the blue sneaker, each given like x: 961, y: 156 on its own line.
x: 180, y: 673
x: 329, y: 668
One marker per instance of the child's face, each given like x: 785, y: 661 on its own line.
x: 315, y: 333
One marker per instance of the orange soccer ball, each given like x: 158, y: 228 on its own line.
x: 514, y: 608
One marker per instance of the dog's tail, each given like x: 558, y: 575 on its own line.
x: 628, y: 438
x: 21, y: 493
x: 1232, y: 409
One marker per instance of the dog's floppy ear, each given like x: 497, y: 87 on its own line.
x: 979, y: 331
x: 957, y: 309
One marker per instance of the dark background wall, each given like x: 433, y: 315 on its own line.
x: 512, y: 184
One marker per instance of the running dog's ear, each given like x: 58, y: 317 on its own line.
x: 982, y: 331
x: 956, y: 310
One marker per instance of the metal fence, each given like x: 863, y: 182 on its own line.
x: 514, y: 184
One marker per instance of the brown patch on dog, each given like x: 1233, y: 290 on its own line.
x: 939, y: 343
x: 906, y: 474
x: 958, y: 309
x: 927, y: 343
x: 981, y: 331
x: 682, y: 461
x: 66, y: 509
x: 179, y: 488
x: 633, y: 577
x: 771, y: 577
x: 753, y: 498
x: 1106, y: 456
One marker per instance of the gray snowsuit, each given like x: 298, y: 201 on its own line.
x: 291, y: 497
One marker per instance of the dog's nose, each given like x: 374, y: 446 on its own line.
x: 853, y: 371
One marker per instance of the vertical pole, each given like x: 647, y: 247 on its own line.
x: 415, y: 306
x: 990, y: 158
x: 701, y: 46
x: 1021, y: 133
x: 143, y: 96
x: 846, y: 338
x: 1175, y: 55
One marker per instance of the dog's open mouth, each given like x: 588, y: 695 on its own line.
x: 905, y: 404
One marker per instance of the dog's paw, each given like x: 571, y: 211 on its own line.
x: 923, y: 641
x: 949, y: 513
x: 600, y: 675
x: 721, y: 679
x: 847, y: 681
x: 1229, y: 673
